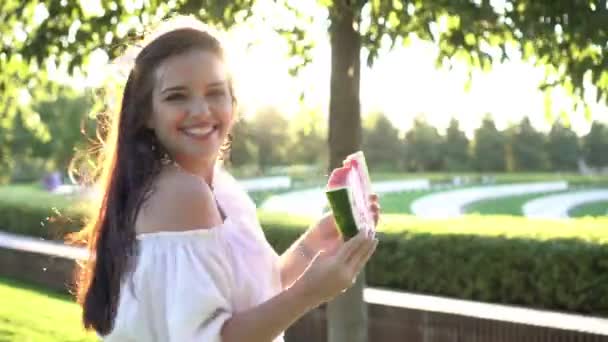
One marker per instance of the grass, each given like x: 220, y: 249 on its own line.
x: 599, y: 208
x: 31, y: 313
x: 391, y: 204
x: 589, y: 229
x: 34, y: 194
x: 571, y: 178
x: 499, y: 177
x: 400, y: 202
x: 511, y: 205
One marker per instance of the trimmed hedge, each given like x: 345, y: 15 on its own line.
x: 558, y: 265
x: 30, y: 210
x: 556, y: 273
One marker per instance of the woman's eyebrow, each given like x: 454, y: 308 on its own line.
x: 216, y: 83
x: 174, y: 88
x: 180, y: 87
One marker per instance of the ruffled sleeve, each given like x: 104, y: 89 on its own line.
x: 195, y: 295
x: 182, y: 290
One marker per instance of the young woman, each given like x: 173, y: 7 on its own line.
x: 177, y: 252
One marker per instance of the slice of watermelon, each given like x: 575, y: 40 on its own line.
x: 348, y: 191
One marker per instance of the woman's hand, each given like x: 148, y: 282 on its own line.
x: 375, y: 207
x: 325, y: 235
x: 334, y: 270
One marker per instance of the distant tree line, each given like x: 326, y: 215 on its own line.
x: 268, y: 138
x: 519, y: 148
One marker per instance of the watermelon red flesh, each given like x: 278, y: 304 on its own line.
x: 352, y: 178
x: 361, y: 186
x: 338, y: 178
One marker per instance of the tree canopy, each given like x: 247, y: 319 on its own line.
x: 568, y: 38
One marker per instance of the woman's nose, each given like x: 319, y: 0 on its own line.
x: 199, y: 106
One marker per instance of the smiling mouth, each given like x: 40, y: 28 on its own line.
x: 200, y: 132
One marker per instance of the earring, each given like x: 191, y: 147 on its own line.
x: 165, y: 159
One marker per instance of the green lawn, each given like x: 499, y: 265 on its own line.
x: 391, y: 203
x: 504, y: 177
x: 30, y: 313
x: 511, y: 205
x: 400, y: 202
x: 591, y: 229
x: 590, y: 209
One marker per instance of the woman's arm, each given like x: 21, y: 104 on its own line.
x: 323, y: 235
x: 295, y: 260
x: 329, y: 274
x: 266, y: 321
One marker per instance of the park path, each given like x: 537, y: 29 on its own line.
x: 453, y: 203
x: 558, y: 206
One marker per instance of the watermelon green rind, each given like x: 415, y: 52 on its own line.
x: 340, y: 202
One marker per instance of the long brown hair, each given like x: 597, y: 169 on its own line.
x: 130, y: 158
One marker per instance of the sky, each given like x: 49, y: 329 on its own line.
x: 402, y: 83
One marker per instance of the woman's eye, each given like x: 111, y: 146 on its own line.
x: 174, y: 97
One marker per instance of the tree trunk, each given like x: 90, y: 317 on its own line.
x: 347, y: 314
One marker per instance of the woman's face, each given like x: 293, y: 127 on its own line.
x: 192, y: 106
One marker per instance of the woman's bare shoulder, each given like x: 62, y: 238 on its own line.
x: 179, y: 202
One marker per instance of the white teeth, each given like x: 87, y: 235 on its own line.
x: 200, y: 131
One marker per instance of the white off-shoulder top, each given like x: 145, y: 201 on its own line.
x: 186, y: 284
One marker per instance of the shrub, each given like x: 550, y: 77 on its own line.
x: 30, y: 210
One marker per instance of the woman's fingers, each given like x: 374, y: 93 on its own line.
x: 375, y: 209
x: 351, y: 246
x: 374, y: 205
x: 364, y: 258
x: 353, y: 255
x: 333, y: 247
x: 334, y: 232
x: 358, y: 256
